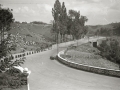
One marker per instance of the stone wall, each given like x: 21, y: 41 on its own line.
x: 109, y: 72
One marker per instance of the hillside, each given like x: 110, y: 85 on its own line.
x: 32, y: 29
x: 92, y: 29
x: 31, y: 36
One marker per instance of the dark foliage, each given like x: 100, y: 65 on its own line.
x: 110, y: 49
x: 71, y: 23
x: 6, y: 44
x: 29, y: 35
x: 38, y: 22
x: 116, y: 30
x: 104, y: 32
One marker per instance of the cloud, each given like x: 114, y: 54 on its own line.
x: 24, y: 10
x: 88, y: 1
x: 115, y: 6
x: 48, y: 7
x: 97, y: 11
x: 45, y: 8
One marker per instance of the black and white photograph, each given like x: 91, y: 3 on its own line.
x: 59, y: 44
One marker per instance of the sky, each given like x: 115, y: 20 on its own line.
x: 98, y: 12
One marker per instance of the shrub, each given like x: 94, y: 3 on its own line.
x: 28, y: 35
x: 110, y: 49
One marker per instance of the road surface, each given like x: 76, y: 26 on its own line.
x: 49, y: 74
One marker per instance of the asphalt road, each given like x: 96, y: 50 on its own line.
x: 49, y: 74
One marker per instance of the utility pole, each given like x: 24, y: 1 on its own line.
x: 57, y: 43
x: 57, y: 38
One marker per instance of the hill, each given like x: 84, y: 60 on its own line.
x: 92, y: 29
x: 31, y: 36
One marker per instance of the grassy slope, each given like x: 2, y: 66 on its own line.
x: 93, y: 29
x: 37, y: 33
x: 86, y: 54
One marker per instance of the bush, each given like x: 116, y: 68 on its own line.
x: 52, y: 57
x: 28, y: 35
x: 110, y: 49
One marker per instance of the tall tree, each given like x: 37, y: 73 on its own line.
x: 75, y: 28
x: 56, y: 10
x: 63, y: 22
x: 71, y: 24
x: 54, y: 31
x: 83, y: 19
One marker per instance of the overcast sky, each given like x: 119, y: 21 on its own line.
x: 97, y: 11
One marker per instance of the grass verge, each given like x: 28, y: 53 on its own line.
x: 88, y: 55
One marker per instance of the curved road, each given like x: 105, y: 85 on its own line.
x: 49, y: 74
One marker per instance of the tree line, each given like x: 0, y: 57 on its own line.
x: 104, y: 32
x: 33, y: 22
x: 71, y: 23
x: 115, y: 31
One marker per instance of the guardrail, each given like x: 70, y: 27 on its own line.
x: 20, y: 55
x: 98, y: 70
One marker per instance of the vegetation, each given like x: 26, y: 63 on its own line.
x: 6, y: 18
x: 110, y: 49
x: 107, y: 30
x: 6, y: 58
x: 67, y: 24
x: 30, y: 36
x: 104, y: 32
x: 89, y: 55
x: 38, y: 22
x: 116, y: 30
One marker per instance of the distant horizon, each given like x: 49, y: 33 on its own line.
x: 98, y: 12
x: 87, y: 24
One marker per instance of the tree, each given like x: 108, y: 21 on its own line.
x: 104, y: 32
x: 82, y: 21
x: 17, y: 22
x: 54, y: 31
x: 110, y: 49
x: 116, y: 30
x: 63, y: 22
x: 60, y: 19
x: 71, y: 24
x: 76, y: 24
x: 6, y: 19
x: 56, y: 15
